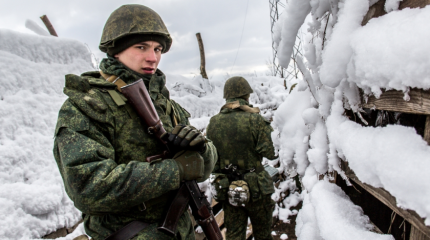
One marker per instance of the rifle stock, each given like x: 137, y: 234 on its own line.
x: 189, y: 192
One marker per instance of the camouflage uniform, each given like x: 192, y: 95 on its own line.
x: 242, y: 138
x: 101, y: 146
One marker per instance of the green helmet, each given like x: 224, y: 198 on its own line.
x: 236, y: 87
x: 133, y: 19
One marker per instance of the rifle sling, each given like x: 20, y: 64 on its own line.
x: 128, y: 231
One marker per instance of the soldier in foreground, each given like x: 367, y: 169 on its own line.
x: 242, y: 137
x: 101, y: 144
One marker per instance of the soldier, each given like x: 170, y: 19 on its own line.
x: 242, y: 138
x: 101, y: 145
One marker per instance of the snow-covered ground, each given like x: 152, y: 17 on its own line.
x: 32, y: 197
x: 390, y: 52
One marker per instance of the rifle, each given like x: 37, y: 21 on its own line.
x: 189, y: 192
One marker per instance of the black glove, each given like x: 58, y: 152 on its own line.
x: 186, y: 138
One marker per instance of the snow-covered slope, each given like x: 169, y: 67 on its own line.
x: 32, y: 198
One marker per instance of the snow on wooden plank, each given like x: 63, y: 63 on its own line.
x: 385, y: 197
x: 419, y: 102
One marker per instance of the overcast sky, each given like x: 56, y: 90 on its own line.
x: 220, y: 23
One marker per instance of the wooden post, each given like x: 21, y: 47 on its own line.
x: 202, y: 57
x: 48, y: 25
x: 427, y: 130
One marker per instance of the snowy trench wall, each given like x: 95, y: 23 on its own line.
x: 33, y: 202
x: 340, y: 57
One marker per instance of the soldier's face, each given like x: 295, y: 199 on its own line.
x: 142, y: 57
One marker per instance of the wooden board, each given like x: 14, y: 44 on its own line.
x: 385, y: 197
x: 219, y: 218
x: 62, y: 232
x: 417, y: 235
x: 414, y: 4
x: 427, y: 130
x: 377, y: 9
x: 392, y: 100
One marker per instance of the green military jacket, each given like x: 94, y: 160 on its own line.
x: 100, y: 148
x: 242, y: 138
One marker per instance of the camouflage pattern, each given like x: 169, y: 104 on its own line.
x: 260, y: 213
x: 242, y: 139
x: 100, y: 149
x: 133, y: 19
x: 236, y: 87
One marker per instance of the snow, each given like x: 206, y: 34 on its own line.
x: 287, y: 27
x: 341, y: 56
x: 284, y: 236
x: 392, y: 5
x: 338, y: 50
x: 32, y: 195
x: 328, y: 213
x: 391, y: 52
x: 394, y: 154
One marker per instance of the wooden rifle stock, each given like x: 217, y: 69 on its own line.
x: 189, y: 192
x: 139, y: 98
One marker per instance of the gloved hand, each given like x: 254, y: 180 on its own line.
x: 191, y: 165
x: 186, y: 138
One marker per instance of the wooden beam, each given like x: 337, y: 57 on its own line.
x: 224, y: 232
x: 219, y: 218
x: 202, y: 56
x: 48, y: 25
x: 386, y: 198
x: 392, y: 100
x: 417, y: 234
x: 427, y: 130
x: 413, y: 4
x: 376, y: 10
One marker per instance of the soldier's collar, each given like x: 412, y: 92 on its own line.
x: 239, y: 103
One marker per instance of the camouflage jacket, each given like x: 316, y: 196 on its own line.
x: 100, y: 149
x: 242, y: 138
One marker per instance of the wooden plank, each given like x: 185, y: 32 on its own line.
x: 249, y: 231
x: 413, y: 4
x: 223, y: 232
x: 392, y: 100
x: 62, y: 232
x: 417, y: 234
x: 213, y: 203
x: 219, y: 218
x: 385, y: 197
x: 427, y: 130
x: 376, y: 10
